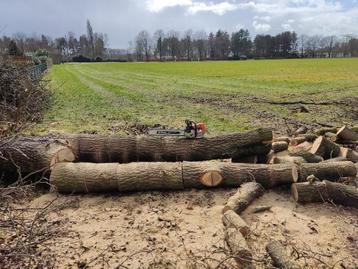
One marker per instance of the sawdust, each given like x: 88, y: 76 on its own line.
x: 184, y: 230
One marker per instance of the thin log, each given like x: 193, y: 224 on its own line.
x: 239, y: 248
x: 330, y: 136
x: 310, y: 137
x: 279, y: 146
x: 297, y: 140
x: 307, y: 155
x: 288, y: 160
x: 282, y: 138
x: 301, y: 130
x: 327, y: 170
x: 325, y: 191
x: 103, y: 149
x: 246, y: 194
x: 280, y: 257
x: 232, y: 220
x: 305, y: 146
x: 106, y: 177
x: 325, y: 148
x: 322, y: 131
x: 349, y: 154
x: 27, y: 155
x: 346, y: 134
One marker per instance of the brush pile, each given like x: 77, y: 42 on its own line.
x: 22, y: 98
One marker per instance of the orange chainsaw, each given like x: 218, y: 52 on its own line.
x: 192, y: 130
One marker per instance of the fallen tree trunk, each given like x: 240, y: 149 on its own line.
x: 325, y: 191
x: 246, y: 194
x: 239, y: 248
x: 92, y: 177
x: 327, y: 170
x: 28, y: 155
x: 102, y: 149
x: 325, y: 148
x: 280, y: 257
x: 232, y: 220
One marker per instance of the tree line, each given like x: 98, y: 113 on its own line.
x: 222, y: 45
x: 86, y: 47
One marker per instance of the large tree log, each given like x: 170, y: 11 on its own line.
x: 258, y: 149
x: 325, y: 191
x: 27, y: 155
x: 239, y: 248
x: 327, y: 170
x: 346, y: 134
x: 280, y: 257
x: 325, y: 148
x: 232, y: 220
x: 110, y: 177
x: 91, y: 177
x: 101, y: 149
x: 308, y: 156
x: 246, y: 194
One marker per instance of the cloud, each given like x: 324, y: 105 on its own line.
x: 219, y: 8
x: 261, y: 27
x: 193, y: 7
x: 286, y: 27
x: 159, y: 5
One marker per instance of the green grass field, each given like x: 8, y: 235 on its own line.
x: 112, y: 98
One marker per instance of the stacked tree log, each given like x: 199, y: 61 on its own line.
x: 104, y: 149
x: 327, y: 156
x: 26, y: 156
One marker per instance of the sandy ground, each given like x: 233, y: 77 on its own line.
x: 184, y: 230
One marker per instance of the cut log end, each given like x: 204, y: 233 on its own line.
x: 63, y: 155
x: 211, y: 179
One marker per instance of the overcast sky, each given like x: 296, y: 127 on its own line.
x: 122, y: 19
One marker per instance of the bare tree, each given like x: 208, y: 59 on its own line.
x: 90, y: 37
x: 158, y: 41
x: 201, y: 44
x: 188, y: 44
x: 143, y: 45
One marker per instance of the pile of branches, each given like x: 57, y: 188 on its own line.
x: 22, y: 98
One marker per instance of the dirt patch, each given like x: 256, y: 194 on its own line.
x: 184, y: 230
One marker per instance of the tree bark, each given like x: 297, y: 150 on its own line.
x: 346, y: 134
x: 280, y: 257
x: 310, y: 137
x: 327, y: 170
x: 301, y: 130
x: 337, y: 159
x: 250, y: 150
x: 27, y: 155
x: 308, y: 156
x: 239, y: 248
x: 325, y: 191
x: 92, y: 177
x: 246, y: 194
x: 325, y: 148
x: 232, y: 220
x: 101, y: 149
x: 279, y: 146
x: 305, y: 146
